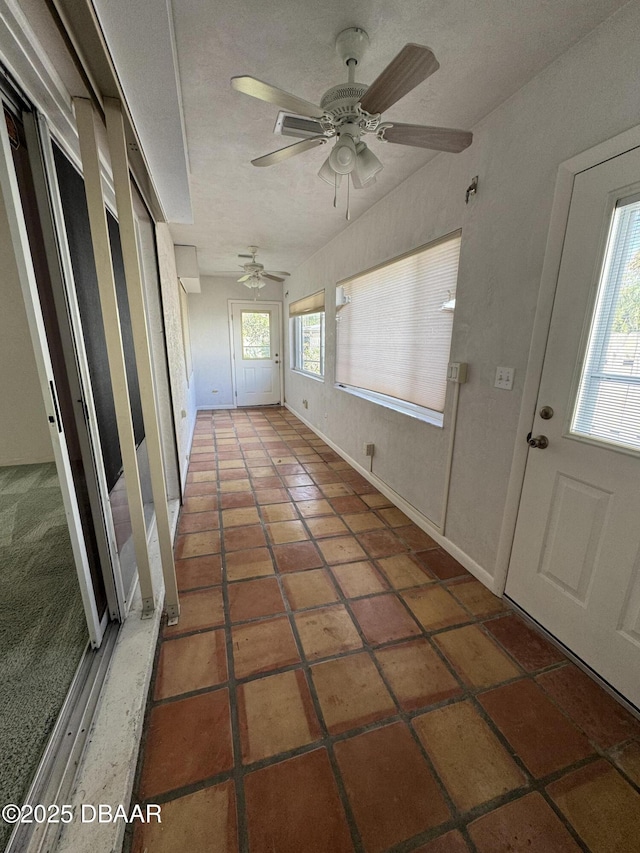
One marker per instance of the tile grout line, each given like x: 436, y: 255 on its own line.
x: 242, y: 829
x: 459, y: 820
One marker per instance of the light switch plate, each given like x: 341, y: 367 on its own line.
x: 504, y: 378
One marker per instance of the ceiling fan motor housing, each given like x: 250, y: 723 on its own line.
x: 351, y: 44
x: 341, y: 101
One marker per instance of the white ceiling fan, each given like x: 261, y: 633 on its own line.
x: 351, y: 110
x: 255, y: 273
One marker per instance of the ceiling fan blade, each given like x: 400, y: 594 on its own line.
x: 421, y: 136
x: 265, y: 92
x: 271, y: 277
x: 278, y: 272
x: 290, y: 151
x: 411, y: 66
x: 246, y: 256
x: 244, y: 278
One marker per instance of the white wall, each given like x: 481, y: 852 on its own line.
x: 182, y: 387
x: 24, y: 429
x: 210, y: 338
x: 588, y: 95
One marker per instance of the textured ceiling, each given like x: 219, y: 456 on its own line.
x: 140, y: 38
x: 487, y: 50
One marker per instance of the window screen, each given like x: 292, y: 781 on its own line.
x: 393, y: 336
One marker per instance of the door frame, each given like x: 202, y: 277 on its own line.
x: 567, y: 172
x: 270, y: 303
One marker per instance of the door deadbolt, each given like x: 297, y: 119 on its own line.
x: 539, y: 441
x: 546, y: 413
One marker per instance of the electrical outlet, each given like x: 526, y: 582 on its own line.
x: 504, y: 378
x: 368, y: 449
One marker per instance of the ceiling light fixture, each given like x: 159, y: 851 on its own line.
x: 343, y: 156
x: 363, y: 169
x: 367, y: 166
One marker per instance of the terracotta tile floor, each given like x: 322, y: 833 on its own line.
x: 338, y: 682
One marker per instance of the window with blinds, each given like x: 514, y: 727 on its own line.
x: 394, y: 332
x: 608, y: 401
x: 307, y: 334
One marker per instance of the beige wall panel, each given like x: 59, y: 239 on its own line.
x: 183, y: 392
x: 24, y: 430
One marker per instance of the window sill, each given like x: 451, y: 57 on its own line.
x: 420, y: 413
x: 308, y: 375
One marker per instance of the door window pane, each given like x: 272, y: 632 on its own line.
x: 256, y: 335
x: 608, y: 404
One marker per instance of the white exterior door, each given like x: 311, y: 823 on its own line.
x: 255, y: 331
x: 575, y: 564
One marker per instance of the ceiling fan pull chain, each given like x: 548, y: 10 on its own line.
x: 348, y: 198
x: 335, y: 189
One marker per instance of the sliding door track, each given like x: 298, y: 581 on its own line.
x: 57, y: 771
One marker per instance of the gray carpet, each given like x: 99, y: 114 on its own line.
x: 43, y: 631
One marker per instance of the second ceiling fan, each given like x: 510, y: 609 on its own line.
x: 351, y: 110
x: 255, y: 273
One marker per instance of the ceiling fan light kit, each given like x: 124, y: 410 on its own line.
x: 350, y: 110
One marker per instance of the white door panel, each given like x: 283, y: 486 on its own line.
x: 255, y: 334
x: 575, y: 564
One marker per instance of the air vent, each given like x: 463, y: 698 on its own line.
x: 290, y: 125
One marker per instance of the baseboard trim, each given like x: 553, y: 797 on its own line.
x: 408, y: 509
x: 183, y: 478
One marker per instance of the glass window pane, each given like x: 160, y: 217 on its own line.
x: 256, y: 334
x: 608, y: 404
x: 310, y: 339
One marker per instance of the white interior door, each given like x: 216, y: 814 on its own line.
x: 255, y: 329
x: 575, y: 565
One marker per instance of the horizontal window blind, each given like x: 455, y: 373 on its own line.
x: 309, y: 305
x: 608, y: 405
x: 392, y: 336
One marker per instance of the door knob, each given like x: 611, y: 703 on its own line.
x: 539, y: 441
